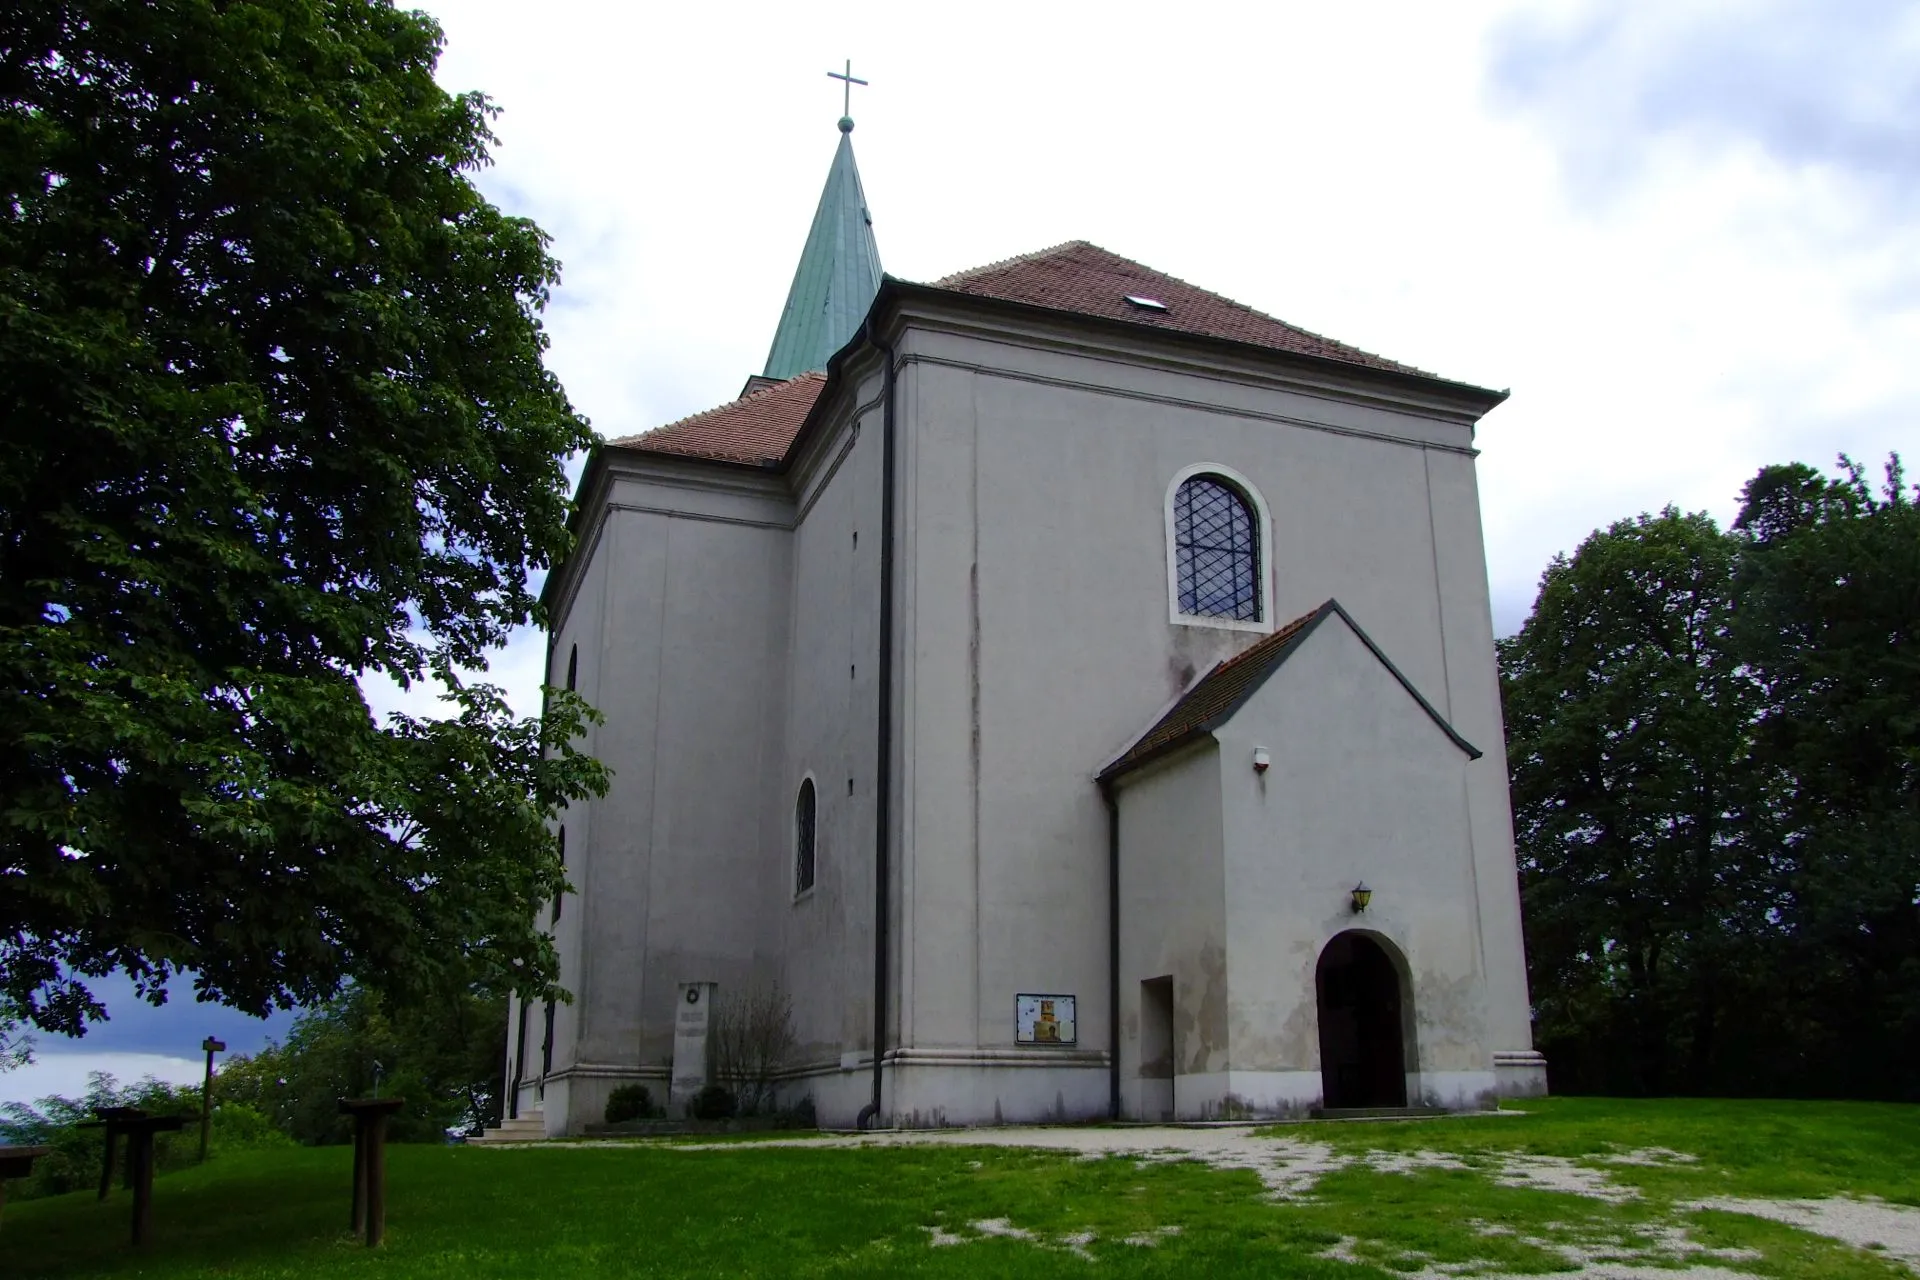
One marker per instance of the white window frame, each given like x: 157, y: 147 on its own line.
x: 1263, y: 552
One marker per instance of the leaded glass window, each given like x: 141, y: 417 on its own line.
x: 803, y: 827
x: 1218, y: 550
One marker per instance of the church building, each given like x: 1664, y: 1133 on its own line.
x: 1074, y: 689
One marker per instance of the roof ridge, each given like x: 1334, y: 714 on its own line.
x: 961, y: 277
x: 1238, y: 305
x: 1005, y: 279
x: 762, y: 392
x: 1218, y: 696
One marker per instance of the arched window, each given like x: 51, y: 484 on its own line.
x: 804, y: 813
x: 558, y: 896
x: 573, y: 665
x: 1216, y: 538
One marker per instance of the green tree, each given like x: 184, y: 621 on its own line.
x: 444, y: 1057
x: 277, y: 421
x: 1829, y: 620
x: 16, y: 1046
x: 1628, y: 720
x: 75, y: 1159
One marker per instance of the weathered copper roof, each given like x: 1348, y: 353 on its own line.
x: 838, y: 275
x: 1224, y: 690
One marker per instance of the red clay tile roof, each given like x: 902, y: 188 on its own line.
x: 1217, y: 696
x: 756, y: 428
x: 1075, y: 277
x: 1226, y: 688
x: 1087, y: 279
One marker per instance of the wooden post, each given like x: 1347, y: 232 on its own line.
x: 211, y: 1046
x: 17, y: 1162
x: 106, y: 1162
x: 140, y: 1165
x: 370, y: 1163
x: 114, y: 1121
x: 359, y: 1176
x: 376, y: 1177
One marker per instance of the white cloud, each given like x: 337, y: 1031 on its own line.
x: 65, y: 1074
x: 1370, y: 171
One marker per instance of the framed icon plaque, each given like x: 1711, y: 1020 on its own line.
x: 1043, y: 1019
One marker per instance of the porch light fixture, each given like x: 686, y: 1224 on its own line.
x: 1361, y: 897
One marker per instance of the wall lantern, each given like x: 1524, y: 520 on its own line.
x: 1261, y: 760
x: 1361, y: 897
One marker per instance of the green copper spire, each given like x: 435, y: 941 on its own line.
x: 838, y: 275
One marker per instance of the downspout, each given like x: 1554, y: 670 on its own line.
x: 883, y: 732
x: 512, y: 1111
x: 1113, y: 946
x: 519, y: 1060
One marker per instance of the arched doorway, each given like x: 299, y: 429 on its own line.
x: 1363, y: 1059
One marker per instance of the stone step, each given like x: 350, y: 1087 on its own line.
x: 1377, y: 1113
x: 531, y: 1128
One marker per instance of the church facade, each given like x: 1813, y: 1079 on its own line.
x: 1074, y: 689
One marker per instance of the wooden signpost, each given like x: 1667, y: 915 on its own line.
x: 210, y: 1046
x: 370, y: 1163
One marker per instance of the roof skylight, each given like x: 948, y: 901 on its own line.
x: 1147, y: 304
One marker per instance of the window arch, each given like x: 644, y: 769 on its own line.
x: 805, y: 816
x: 1216, y: 534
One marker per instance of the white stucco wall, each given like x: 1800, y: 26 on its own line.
x: 826, y: 934
x: 1362, y: 786
x: 1037, y: 469
x: 1173, y: 923
x: 732, y: 647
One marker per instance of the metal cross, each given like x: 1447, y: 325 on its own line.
x: 846, y: 105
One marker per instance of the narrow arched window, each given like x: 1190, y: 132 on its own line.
x: 573, y: 665
x: 1217, y: 550
x: 558, y: 896
x: 804, y: 813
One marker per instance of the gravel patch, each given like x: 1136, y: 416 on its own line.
x: 1892, y: 1230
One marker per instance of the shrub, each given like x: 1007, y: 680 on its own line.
x: 799, y: 1116
x: 715, y: 1102
x: 630, y: 1102
x: 74, y: 1162
x: 238, y: 1127
x: 751, y: 1040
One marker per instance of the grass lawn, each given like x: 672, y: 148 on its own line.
x: 1482, y: 1196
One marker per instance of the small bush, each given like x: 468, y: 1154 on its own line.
x: 798, y: 1116
x: 238, y: 1127
x: 630, y: 1102
x: 715, y: 1102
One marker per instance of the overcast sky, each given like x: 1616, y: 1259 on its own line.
x: 1683, y: 233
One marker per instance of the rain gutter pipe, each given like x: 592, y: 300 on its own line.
x: 883, y: 731
x: 1113, y: 946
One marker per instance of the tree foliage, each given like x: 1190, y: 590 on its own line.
x: 16, y: 1046
x: 1715, y: 737
x: 277, y: 421
x: 444, y: 1057
x: 74, y: 1162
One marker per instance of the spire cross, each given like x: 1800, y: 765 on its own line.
x: 846, y: 90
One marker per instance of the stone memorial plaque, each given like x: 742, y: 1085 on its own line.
x: 692, y: 1019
